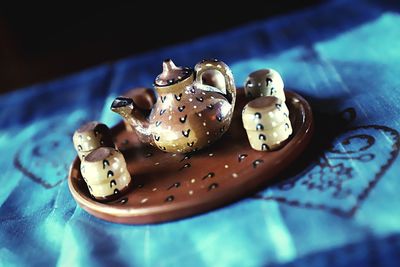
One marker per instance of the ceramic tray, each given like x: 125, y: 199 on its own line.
x: 168, y: 186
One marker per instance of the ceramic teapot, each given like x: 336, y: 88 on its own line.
x: 193, y: 109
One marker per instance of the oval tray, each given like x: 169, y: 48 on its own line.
x: 168, y: 186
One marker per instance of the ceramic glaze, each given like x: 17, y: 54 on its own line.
x: 192, y: 110
x: 266, y: 120
x: 90, y: 136
x: 264, y: 82
x: 105, y: 173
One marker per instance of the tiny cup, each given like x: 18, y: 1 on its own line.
x: 90, y: 136
x: 105, y: 172
x: 267, y: 123
x: 264, y: 82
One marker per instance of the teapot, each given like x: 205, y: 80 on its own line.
x: 194, y: 107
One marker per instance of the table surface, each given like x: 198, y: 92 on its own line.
x: 337, y: 207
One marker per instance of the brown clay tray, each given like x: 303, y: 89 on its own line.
x: 168, y: 186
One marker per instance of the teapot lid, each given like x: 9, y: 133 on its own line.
x: 172, y: 74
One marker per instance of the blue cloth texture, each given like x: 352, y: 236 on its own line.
x: 341, y: 208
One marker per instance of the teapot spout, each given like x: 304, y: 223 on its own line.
x: 123, y: 106
x: 126, y: 107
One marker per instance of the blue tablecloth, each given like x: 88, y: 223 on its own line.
x: 340, y: 209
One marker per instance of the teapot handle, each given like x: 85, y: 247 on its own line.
x: 219, y: 66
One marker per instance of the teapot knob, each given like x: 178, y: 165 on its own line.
x: 171, y: 74
x: 169, y: 65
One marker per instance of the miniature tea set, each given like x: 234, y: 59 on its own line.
x: 195, y: 113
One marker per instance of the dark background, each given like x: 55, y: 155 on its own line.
x: 42, y: 43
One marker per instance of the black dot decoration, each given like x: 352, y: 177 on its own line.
x: 183, y: 119
x: 178, y: 97
x: 105, y: 163
x: 187, y: 156
x: 174, y: 185
x: 186, y: 133
x: 257, y: 162
x: 242, y: 157
x: 113, y: 182
x: 260, y: 127
x: 170, y: 198
x: 208, y: 175
x: 212, y: 186
x: 187, y: 165
x: 190, y: 144
x: 264, y: 147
